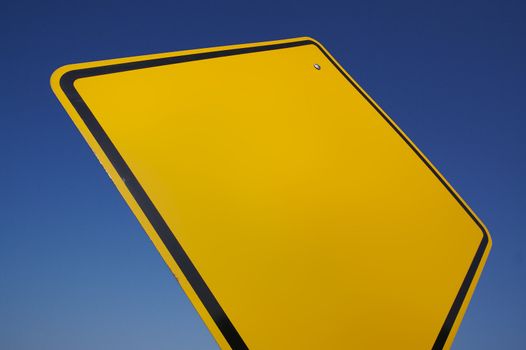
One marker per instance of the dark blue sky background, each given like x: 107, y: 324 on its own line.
x: 76, y: 269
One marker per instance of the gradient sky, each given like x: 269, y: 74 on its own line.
x: 77, y: 270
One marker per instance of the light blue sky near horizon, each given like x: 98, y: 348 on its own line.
x: 77, y: 270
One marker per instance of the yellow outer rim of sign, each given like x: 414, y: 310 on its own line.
x: 145, y: 223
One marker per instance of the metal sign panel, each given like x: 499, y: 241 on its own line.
x: 290, y: 207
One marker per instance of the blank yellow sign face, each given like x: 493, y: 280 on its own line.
x: 292, y: 210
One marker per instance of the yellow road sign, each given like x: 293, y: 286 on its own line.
x: 290, y: 207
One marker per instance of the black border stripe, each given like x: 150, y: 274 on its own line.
x: 168, y: 238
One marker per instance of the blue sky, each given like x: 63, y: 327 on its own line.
x: 78, y: 272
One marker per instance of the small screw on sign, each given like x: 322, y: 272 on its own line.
x: 317, y: 66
